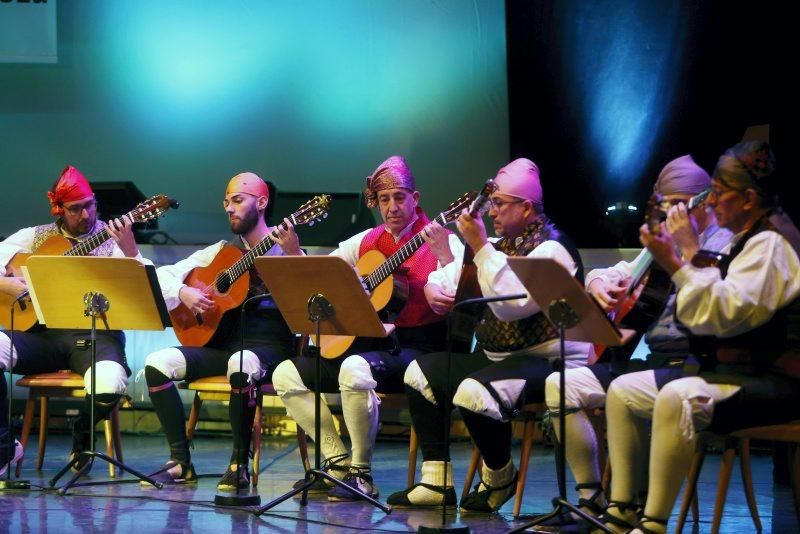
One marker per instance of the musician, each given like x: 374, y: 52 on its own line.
x: 41, y: 350
x: 267, y: 338
x: 668, y: 342
x: 373, y: 364
x: 743, y: 318
x: 516, y: 345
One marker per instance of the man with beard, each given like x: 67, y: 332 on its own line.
x: 41, y: 350
x: 267, y: 338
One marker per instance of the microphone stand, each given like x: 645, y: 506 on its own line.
x: 457, y: 529
x: 9, y: 484
x: 238, y: 499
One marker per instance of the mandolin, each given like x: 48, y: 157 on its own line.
x: 464, y: 321
x: 227, y: 280
x: 387, y: 290
x: 650, y: 288
x: 24, y: 314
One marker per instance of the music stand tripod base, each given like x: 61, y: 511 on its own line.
x: 309, y: 291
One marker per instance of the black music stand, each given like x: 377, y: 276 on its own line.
x: 578, y: 317
x: 313, y: 293
x: 122, y: 292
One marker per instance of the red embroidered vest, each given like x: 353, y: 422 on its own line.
x: 416, y: 269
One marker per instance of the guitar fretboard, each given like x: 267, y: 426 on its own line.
x: 85, y: 247
x: 246, y: 262
x: 394, y: 261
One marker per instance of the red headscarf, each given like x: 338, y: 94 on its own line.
x: 71, y: 186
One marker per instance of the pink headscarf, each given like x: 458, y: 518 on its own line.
x: 682, y: 176
x: 249, y: 183
x: 520, y: 179
x: 71, y: 186
x: 392, y: 173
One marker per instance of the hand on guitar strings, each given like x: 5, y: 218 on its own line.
x: 607, y: 294
x: 437, y: 238
x: 287, y: 239
x: 197, y: 300
x: 121, y: 230
x: 472, y: 230
x: 13, y: 285
x: 439, y: 299
x: 682, y: 226
x: 662, y: 247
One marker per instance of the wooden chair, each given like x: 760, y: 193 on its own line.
x: 787, y: 432
x: 62, y: 384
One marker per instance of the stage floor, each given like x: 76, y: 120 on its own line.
x: 126, y: 507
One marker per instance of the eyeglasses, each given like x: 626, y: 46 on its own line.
x: 498, y: 203
x: 717, y: 192
x: 77, y: 209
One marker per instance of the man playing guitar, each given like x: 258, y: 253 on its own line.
x: 41, y: 350
x: 267, y: 337
x: 515, y: 345
x: 372, y: 364
x: 679, y: 181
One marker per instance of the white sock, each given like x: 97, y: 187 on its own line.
x: 582, y: 453
x: 433, y: 473
x: 300, y: 406
x: 360, y: 410
x: 497, y: 478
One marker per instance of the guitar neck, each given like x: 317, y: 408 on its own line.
x: 85, y: 247
x: 641, y: 269
x: 248, y: 259
x: 395, y: 260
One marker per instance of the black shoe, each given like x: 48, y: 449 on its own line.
x: 233, y: 480
x: 401, y: 500
x: 478, y: 499
x: 359, y: 478
x: 319, y: 487
x: 173, y: 473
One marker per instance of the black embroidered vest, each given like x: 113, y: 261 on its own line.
x: 495, y: 335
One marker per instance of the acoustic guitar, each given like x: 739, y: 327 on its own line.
x: 388, y: 290
x: 464, y: 321
x: 24, y: 314
x: 227, y: 280
x: 651, y: 286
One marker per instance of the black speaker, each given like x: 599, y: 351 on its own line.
x: 347, y: 216
x: 118, y: 198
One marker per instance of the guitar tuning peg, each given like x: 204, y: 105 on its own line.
x: 311, y: 222
x: 324, y: 215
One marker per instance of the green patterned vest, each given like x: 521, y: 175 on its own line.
x: 495, y: 335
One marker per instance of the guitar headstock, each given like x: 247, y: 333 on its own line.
x: 658, y: 206
x: 152, y: 208
x: 312, y: 211
x: 480, y: 205
x: 452, y: 211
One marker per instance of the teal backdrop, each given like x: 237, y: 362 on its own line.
x: 179, y: 96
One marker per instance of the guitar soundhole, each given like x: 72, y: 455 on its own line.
x: 223, y: 283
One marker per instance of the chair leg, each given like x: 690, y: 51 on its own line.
x: 474, y: 464
x: 107, y: 432
x: 116, y: 434
x: 690, y: 491
x: 747, y: 479
x: 302, y: 444
x: 524, y: 460
x: 193, y: 415
x: 257, y: 443
x: 27, y: 423
x: 43, y: 405
x: 413, y: 447
x: 722, y: 485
